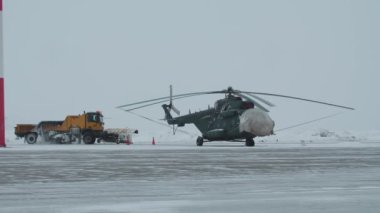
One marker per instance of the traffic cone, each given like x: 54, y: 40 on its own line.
x: 153, y: 142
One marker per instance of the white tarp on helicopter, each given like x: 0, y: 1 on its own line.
x: 257, y: 122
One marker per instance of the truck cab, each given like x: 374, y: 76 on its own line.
x: 94, y: 121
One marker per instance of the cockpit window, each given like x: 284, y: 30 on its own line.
x: 225, y: 107
x: 219, y: 104
x: 247, y: 105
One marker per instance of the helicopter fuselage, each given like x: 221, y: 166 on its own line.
x: 230, y: 119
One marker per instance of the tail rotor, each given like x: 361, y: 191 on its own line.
x: 171, y: 106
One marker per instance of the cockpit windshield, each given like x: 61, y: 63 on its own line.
x: 219, y: 104
x: 247, y: 105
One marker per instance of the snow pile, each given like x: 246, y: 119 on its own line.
x: 339, y: 136
x: 325, y: 136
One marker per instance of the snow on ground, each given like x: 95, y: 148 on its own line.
x: 303, y: 137
x: 313, y: 171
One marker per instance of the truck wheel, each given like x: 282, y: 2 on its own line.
x: 31, y: 138
x: 88, y: 139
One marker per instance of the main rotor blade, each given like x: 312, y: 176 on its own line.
x: 302, y: 99
x: 168, y: 97
x: 308, y: 122
x: 255, y: 102
x: 171, y: 95
x: 141, y: 102
x: 151, y: 104
x: 260, y: 99
x: 143, y: 106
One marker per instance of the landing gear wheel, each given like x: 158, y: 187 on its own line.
x: 249, y: 142
x: 31, y: 138
x: 88, y: 138
x: 199, y: 141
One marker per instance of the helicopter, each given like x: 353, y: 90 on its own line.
x: 239, y: 116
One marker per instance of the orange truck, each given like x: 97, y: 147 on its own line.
x: 87, y: 127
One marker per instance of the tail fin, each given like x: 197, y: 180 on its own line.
x: 167, y: 108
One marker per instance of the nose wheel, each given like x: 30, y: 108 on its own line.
x: 249, y: 142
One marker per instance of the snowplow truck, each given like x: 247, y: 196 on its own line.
x: 87, y: 127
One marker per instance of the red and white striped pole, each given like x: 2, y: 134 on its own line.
x: 2, y: 113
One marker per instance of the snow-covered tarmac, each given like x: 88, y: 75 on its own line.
x: 180, y: 177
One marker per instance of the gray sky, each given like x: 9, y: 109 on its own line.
x: 63, y: 57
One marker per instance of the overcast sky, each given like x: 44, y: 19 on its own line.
x: 66, y: 56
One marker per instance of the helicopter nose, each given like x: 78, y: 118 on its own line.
x: 257, y: 122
